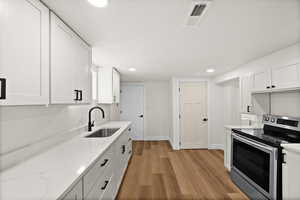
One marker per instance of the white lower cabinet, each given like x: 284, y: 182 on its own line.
x: 101, y: 187
x: 103, y: 179
x: 227, y: 153
x: 75, y: 193
x: 102, y: 165
x: 291, y: 175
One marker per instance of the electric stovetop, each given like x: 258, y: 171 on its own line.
x: 270, y: 135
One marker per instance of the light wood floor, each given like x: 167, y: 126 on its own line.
x: 157, y: 172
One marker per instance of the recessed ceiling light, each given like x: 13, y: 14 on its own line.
x: 132, y: 69
x: 98, y: 3
x: 210, y: 70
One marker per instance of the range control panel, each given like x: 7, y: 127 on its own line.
x: 282, y: 121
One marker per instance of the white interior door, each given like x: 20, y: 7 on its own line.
x: 132, y: 109
x: 193, y: 115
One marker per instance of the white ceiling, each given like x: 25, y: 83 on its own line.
x: 151, y: 35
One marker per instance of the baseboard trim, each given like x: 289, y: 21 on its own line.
x: 216, y: 146
x: 155, y: 138
x: 171, y: 144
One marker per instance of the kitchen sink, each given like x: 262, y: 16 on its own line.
x: 105, y: 132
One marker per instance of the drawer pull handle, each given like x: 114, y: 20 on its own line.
x: 104, y: 163
x: 129, y: 152
x: 129, y: 139
x: 80, y: 95
x: 123, y: 149
x: 105, y: 185
x: 129, y: 129
x: 3, y: 88
x: 76, y: 94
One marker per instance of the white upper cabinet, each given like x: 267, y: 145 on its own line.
x: 261, y: 80
x: 286, y: 77
x: 116, y: 86
x: 70, y: 65
x: 108, y: 85
x: 24, y: 52
x: 245, y: 93
x: 279, y: 78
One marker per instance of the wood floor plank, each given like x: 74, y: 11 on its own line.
x: 157, y: 172
x: 159, y: 190
x: 184, y: 183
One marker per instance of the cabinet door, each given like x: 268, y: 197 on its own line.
x: 105, y: 85
x: 261, y: 81
x: 116, y: 86
x: 109, y: 191
x: 285, y: 77
x: 245, y: 87
x: 24, y: 52
x: 70, y: 65
x: 63, y: 62
x: 227, y: 154
x: 75, y: 193
x: 291, y: 176
x: 83, y: 72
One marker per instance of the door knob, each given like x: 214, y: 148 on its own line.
x: 205, y: 119
x: 141, y: 116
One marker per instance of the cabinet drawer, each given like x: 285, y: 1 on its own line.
x: 125, y: 137
x: 103, y: 164
x: 102, y: 184
x: 108, y: 193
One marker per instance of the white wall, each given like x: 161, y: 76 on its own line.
x: 216, y: 115
x: 115, y: 112
x: 231, y: 101
x: 28, y: 130
x: 287, y: 103
x: 157, y: 110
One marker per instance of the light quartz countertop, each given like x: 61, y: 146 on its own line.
x: 48, y: 175
x: 242, y: 126
x: 295, y: 147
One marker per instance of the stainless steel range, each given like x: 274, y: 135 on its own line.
x: 256, y: 162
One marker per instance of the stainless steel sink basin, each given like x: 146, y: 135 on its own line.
x: 105, y: 132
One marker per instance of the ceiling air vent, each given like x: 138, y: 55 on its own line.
x: 198, y: 9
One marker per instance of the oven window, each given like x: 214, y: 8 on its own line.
x: 253, y: 162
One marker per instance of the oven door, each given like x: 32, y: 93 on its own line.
x: 257, y: 163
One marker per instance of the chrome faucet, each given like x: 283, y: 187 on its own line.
x: 91, y: 124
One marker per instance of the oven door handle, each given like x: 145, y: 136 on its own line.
x: 252, y: 143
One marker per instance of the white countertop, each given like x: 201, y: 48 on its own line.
x: 242, y: 126
x: 292, y: 147
x: 48, y: 175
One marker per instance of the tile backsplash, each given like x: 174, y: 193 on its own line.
x: 29, y: 130
x: 286, y: 103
